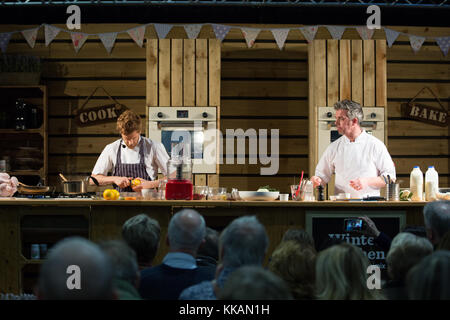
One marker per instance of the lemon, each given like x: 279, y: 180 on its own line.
x: 135, y: 182
x: 108, y: 194
x: 116, y: 194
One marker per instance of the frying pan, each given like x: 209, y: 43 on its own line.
x: 26, y: 189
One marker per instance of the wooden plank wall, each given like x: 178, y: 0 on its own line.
x: 261, y: 87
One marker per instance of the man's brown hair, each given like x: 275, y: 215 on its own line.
x: 128, y: 122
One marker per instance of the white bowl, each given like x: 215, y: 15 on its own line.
x: 258, y: 196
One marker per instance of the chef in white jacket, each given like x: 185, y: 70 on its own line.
x: 358, y: 159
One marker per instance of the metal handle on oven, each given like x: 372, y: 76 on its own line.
x: 365, y: 124
x: 181, y: 124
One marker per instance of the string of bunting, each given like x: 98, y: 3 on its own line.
x: 192, y: 30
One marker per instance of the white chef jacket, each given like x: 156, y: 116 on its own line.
x: 155, y: 157
x: 367, y: 156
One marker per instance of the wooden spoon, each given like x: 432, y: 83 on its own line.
x: 62, y: 177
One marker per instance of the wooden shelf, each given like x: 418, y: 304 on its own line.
x: 39, y: 130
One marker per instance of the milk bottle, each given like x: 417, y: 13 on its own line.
x: 416, y: 184
x: 431, y: 184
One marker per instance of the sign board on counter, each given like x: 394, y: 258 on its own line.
x: 328, y: 227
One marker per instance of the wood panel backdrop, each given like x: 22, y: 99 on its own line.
x: 261, y: 87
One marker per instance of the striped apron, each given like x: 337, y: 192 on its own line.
x: 135, y: 170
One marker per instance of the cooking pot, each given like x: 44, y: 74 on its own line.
x: 77, y: 186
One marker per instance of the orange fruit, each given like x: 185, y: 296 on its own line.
x: 135, y: 182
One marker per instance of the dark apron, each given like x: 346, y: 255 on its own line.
x: 135, y: 170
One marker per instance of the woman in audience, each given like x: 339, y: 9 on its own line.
x: 296, y: 266
x: 341, y: 274
x: 406, y: 251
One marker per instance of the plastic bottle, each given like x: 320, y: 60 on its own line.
x: 431, y: 184
x: 416, y: 184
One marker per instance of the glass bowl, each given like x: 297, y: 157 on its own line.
x: 200, y: 192
x: 217, y: 193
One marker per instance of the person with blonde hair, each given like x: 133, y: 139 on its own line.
x: 131, y: 157
x: 341, y: 274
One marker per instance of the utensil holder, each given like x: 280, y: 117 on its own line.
x: 393, y: 192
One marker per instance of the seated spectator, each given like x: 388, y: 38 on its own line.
x: 415, y: 230
x: 341, y: 274
x: 254, y: 283
x: 243, y: 242
x: 126, y: 270
x: 444, y: 244
x: 381, y: 239
x: 300, y: 236
x: 406, y: 251
x: 178, y: 270
x: 437, y: 220
x: 96, y: 279
x: 430, y: 279
x: 208, y: 253
x: 142, y: 234
x: 295, y: 264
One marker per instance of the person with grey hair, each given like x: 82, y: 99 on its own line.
x: 142, y: 234
x: 254, y: 283
x: 126, y: 271
x: 359, y: 160
x: 436, y: 217
x: 76, y: 269
x: 179, y: 269
x: 430, y: 279
x: 406, y: 251
x: 243, y: 242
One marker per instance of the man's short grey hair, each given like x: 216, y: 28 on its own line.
x: 436, y: 216
x: 123, y: 259
x: 354, y: 109
x: 186, y: 230
x: 406, y: 251
x: 142, y: 234
x: 95, y: 268
x: 244, y: 241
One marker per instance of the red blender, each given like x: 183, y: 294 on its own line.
x: 179, y: 182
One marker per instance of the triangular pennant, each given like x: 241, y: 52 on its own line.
x: 78, y: 39
x: 336, y: 31
x: 416, y: 42
x: 50, y: 33
x: 30, y: 35
x: 220, y: 31
x: 4, y: 40
x: 309, y: 32
x: 280, y: 36
x: 192, y: 30
x: 250, y: 35
x: 137, y: 34
x: 365, y: 33
x: 391, y: 36
x: 162, y: 30
x: 108, y: 40
x: 444, y: 44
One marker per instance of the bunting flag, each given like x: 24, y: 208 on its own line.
x: 365, y: 33
x: 309, y: 32
x: 192, y: 30
x: 220, y: 31
x: 78, y: 39
x: 336, y: 31
x: 162, y: 30
x: 137, y: 34
x: 4, y: 40
x: 30, y: 35
x: 416, y: 42
x: 391, y: 36
x: 50, y: 34
x: 250, y: 35
x: 280, y: 36
x: 444, y: 44
x: 108, y: 40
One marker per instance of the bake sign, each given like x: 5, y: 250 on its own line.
x: 424, y: 113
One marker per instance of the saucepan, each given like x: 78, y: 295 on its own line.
x: 77, y: 185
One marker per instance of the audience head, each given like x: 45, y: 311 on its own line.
x: 244, y: 241
x: 295, y: 264
x: 96, y: 280
x: 142, y: 234
x: 123, y: 259
x: 254, y: 283
x: 419, y: 231
x: 300, y: 236
x: 186, y: 231
x: 444, y: 244
x: 341, y: 274
x: 437, y: 219
x: 406, y: 251
x: 210, y: 248
x: 430, y: 279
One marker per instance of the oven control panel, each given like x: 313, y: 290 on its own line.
x: 182, y: 113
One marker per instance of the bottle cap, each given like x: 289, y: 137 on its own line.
x: 416, y: 167
x: 431, y: 167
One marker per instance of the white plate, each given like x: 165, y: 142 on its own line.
x: 258, y: 196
